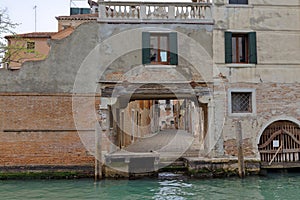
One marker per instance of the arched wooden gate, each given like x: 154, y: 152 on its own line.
x: 280, y: 145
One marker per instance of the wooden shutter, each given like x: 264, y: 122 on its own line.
x: 146, y: 48
x: 173, y: 48
x: 228, y: 47
x: 252, y: 47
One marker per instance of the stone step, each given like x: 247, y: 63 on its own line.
x: 177, y: 166
x: 193, y: 153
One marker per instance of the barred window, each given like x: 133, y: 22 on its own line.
x: 241, y: 102
x: 30, y: 47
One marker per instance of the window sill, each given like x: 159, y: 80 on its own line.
x: 240, y: 65
x: 239, y: 6
x: 242, y: 114
x: 153, y: 66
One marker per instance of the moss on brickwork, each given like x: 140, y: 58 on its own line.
x: 211, y: 173
x: 174, y: 169
x: 43, y: 175
x: 218, y: 172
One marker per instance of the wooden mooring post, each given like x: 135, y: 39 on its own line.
x: 98, y: 153
x: 239, y: 138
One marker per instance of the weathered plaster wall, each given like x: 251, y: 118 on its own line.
x: 129, y: 66
x: 41, y: 50
x: 56, y: 74
x: 273, y: 100
x: 276, y: 75
x: 37, y: 123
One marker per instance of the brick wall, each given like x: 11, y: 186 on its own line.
x: 40, y: 130
x: 273, y: 101
x: 42, y: 148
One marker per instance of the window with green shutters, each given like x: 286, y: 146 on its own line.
x: 159, y: 48
x: 240, y: 47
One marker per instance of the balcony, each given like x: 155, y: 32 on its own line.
x: 155, y: 12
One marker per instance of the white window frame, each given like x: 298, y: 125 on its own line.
x: 241, y: 90
x: 242, y: 31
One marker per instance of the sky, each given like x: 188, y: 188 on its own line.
x: 22, y: 12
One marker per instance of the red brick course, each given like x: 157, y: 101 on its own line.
x: 40, y: 130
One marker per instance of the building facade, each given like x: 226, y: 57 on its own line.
x: 36, y: 45
x: 24, y: 47
x: 224, y: 62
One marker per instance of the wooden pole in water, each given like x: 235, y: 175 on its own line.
x: 98, y: 153
x: 241, y: 164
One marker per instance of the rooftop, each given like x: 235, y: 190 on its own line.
x: 92, y: 16
x: 32, y: 35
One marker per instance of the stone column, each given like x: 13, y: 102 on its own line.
x: 210, y: 135
x: 211, y: 127
x: 143, y: 14
x: 171, y: 12
x: 111, y: 135
x: 100, y: 131
x: 102, y: 9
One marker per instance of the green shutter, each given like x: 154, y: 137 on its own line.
x: 173, y: 48
x: 252, y: 47
x: 146, y: 48
x: 228, y: 47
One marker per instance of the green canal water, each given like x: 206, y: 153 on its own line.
x: 273, y: 186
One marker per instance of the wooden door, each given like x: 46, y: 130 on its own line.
x: 280, y: 144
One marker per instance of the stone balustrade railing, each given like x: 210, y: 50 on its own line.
x: 138, y: 12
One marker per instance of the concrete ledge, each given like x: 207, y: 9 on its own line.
x: 219, y: 167
x: 280, y: 165
x: 120, y: 171
x: 130, y: 165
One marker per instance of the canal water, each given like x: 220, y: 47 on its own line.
x: 273, y: 186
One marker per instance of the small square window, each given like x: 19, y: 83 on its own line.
x: 241, y: 102
x: 30, y: 47
x: 238, y: 1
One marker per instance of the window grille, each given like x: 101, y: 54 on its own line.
x: 30, y: 47
x: 241, y: 102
